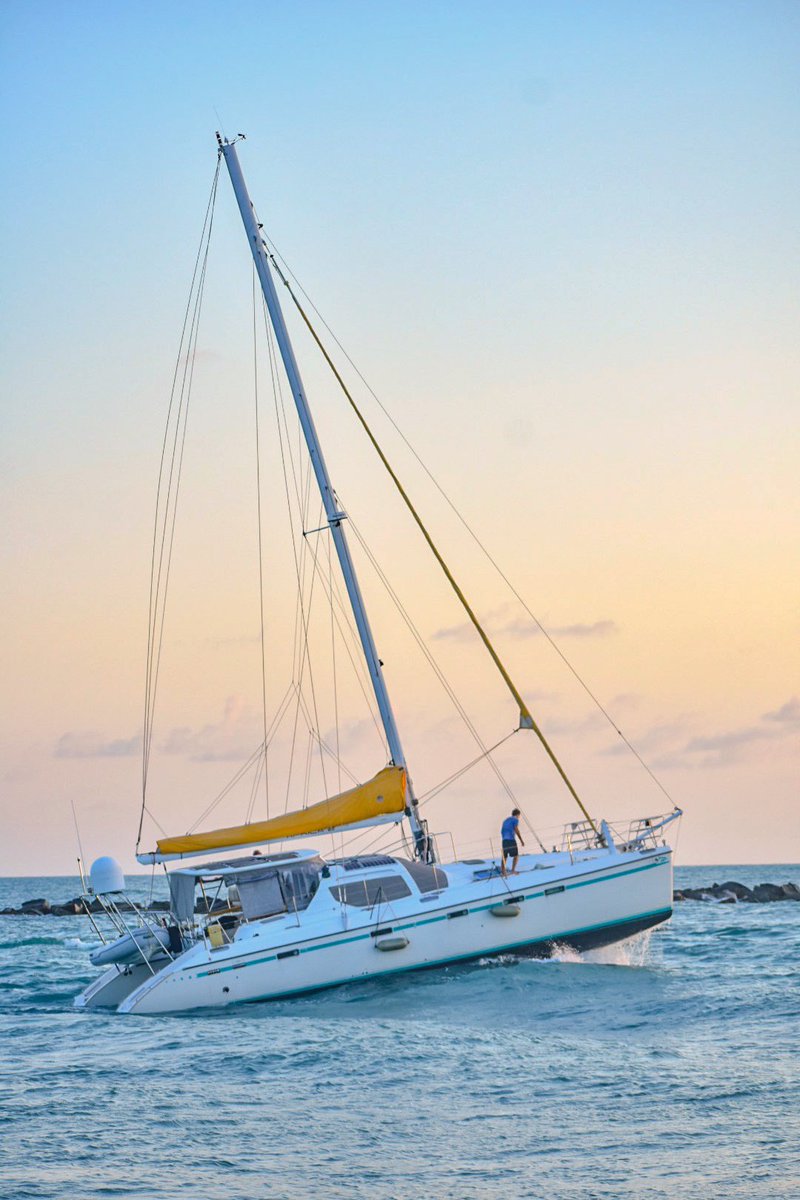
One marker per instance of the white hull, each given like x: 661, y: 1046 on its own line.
x: 603, y: 898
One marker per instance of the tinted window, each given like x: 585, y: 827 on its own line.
x: 368, y: 892
x: 427, y: 878
x: 260, y: 894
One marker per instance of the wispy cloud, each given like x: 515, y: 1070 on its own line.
x: 657, y: 740
x: 787, y: 714
x: 499, y: 624
x: 591, y: 722
x: 729, y: 746
x: 231, y: 739
x: 95, y: 745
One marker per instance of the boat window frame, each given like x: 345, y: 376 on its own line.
x: 339, y: 889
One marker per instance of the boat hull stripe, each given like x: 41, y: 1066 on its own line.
x: 397, y: 926
x: 651, y: 918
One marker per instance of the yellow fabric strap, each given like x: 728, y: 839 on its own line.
x: 526, y: 721
x: 369, y: 802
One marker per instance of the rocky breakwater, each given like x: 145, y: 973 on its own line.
x: 737, y: 893
x: 74, y: 908
x: 718, y: 893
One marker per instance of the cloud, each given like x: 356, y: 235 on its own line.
x: 591, y: 722
x: 231, y: 739
x: 596, y: 629
x: 731, y: 741
x: 675, y: 744
x: 498, y: 623
x: 658, y: 739
x: 731, y: 745
x: 95, y: 745
x: 787, y: 714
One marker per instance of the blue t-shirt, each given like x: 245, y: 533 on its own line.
x: 509, y: 829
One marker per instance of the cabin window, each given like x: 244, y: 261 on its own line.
x: 427, y: 878
x: 260, y: 894
x: 299, y: 885
x: 271, y: 890
x: 365, y: 893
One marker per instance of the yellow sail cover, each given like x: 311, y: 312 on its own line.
x: 381, y: 798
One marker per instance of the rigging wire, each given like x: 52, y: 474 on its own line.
x: 300, y: 575
x: 428, y: 654
x: 485, y: 551
x: 333, y: 670
x: 257, y: 754
x: 167, y: 494
x: 526, y: 719
x: 486, y: 752
x: 324, y: 746
x: 346, y: 627
x: 445, y: 783
x: 260, y: 563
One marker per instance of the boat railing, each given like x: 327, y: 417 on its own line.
x: 648, y: 832
x: 639, y: 834
x: 580, y: 835
x: 126, y: 918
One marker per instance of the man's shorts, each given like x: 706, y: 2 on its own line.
x: 510, y: 848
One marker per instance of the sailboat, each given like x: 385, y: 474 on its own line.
x: 245, y: 924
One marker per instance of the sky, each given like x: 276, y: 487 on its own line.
x: 560, y: 242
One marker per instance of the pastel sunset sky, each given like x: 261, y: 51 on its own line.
x: 560, y: 241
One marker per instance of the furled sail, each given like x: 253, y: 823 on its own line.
x: 381, y: 799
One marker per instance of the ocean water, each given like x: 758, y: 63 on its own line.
x: 667, y: 1067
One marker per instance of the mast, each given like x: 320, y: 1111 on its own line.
x: 333, y: 512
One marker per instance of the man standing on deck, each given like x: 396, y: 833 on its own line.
x: 509, y: 833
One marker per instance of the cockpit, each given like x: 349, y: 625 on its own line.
x: 261, y: 886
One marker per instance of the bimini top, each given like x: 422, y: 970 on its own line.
x: 251, y: 862
x: 382, y: 799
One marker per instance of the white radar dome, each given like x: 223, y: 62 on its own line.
x: 106, y: 876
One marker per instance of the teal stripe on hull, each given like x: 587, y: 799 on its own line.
x: 363, y: 937
x: 653, y: 918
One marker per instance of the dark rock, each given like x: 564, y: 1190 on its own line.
x: 730, y: 892
x: 767, y: 893
x: 35, y: 907
x: 737, y: 889
x: 677, y: 896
